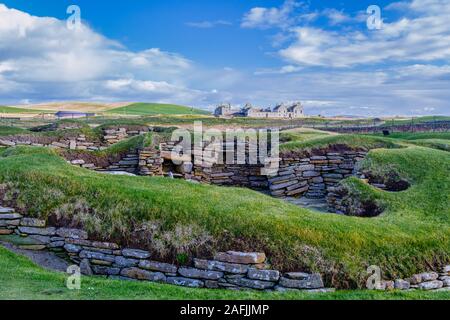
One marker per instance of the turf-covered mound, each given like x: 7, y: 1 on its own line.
x: 177, y: 220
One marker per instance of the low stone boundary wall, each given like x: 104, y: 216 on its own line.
x: 79, y: 142
x: 76, y: 142
x: 228, y: 270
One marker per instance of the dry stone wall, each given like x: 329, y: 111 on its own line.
x: 228, y: 270
x: 314, y: 176
x: 79, y: 142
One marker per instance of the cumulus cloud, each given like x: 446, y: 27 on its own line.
x: 265, y: 18
x: 422, y: 37
x: 41, y: 56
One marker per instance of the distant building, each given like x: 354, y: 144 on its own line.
x: 281, y: 111
x: 73, y: 114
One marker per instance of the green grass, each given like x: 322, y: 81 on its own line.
x: 7, y: 131
x: 4, y: 109
x: 411, y: 236
x: 22, y: 280
x: 419, y: 135
x: 351, y: 140
x: 143, y: 109
x: 417, y: 120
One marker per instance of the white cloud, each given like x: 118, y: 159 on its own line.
x: 209, y: 24
x: 423, y: 37
x: 40, y: 57
x: 265, y: 18
x: 336, y: 17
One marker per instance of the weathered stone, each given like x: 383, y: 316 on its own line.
x: 415, y: 279
x: 72, y: 233
x: 104, y: 245
x: 10, y: 216
x: 388, y: 285
x: 446, y: 270
x: 283, y: 185
x: 210, y: 284
x: 221, y: 266
x: 185, y: 282
x: 401, y: 284
x: 253, y: 284
x: 313, y: 281
x: 431, y: 285
x: 140, y: 274
x: 265, y: 275
x: 9, y: 223
x: 56, y: 244
x: 32, y: 222
x: 241, y: 257
x: 134, y: 253
x: 79, y: 242
x: 41, y: 239
x: 311, y: 174
x: 4, y: 232
x: 85, y: 268
x: 96, y: 255
x: 72, y: 248
x: 200, y: 274
x: 446, y: 281
x: 125, y: 262
x: 158, y: 266
x: 32, y: 247
x: 429, y: 276
x: 39, y: 231
x: 77, y: 162
x: 102, y: 263
x: 108, y: 271
x: 306, y: 167
x: 296, y: 275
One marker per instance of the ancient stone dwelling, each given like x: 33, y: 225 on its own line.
x: 281, y: 111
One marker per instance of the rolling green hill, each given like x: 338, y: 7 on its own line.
x: 143, y: 109
x: 4, y: 109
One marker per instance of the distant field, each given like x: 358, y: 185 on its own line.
x: 144, y: 109
x: 75, y: 106
x: 13, y: 110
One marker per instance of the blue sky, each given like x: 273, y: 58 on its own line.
x: 205, y: 52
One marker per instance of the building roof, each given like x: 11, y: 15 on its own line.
x: 73, y: 113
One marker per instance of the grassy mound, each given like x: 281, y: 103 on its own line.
x: 173, y: 220
x: 23, y: 280
x: 144, y: 109
x: 315, y: 141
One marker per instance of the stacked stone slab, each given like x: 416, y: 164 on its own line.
x: 315, y: 176
x: 422, y: 281
x: 114, y: 135
x: 129, y: 163
x: 150, y: 162
x: 228, y: 270
x: 79, y: 142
